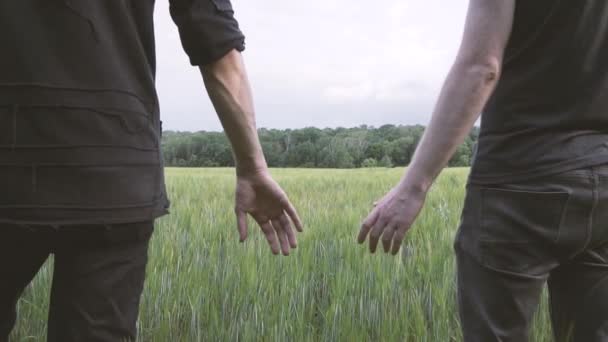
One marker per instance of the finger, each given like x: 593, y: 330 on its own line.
x: 291, y: 235
x: 374, y: 235
x: 241, y: 221
x: 387, y: 238
x: 367, y: 225
x: 271, y: 236
x: 293, y: 214
x: 278, y: 227
x: 398, y: 240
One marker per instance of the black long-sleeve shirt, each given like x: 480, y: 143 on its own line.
x: 79, y: 117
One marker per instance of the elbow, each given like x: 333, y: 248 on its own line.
x: 485, y: 70
x: 229, y: 63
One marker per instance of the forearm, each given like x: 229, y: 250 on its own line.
x: 228, y: 88
x: 462, y: 98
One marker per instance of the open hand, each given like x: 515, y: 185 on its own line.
x: 258, y: 195
x: 391, y: 218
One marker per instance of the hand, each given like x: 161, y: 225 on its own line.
x: 258, y: 195
x: 391, y: 218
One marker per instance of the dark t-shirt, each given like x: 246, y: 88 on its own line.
x: 549, y: 112
x: 79, y: 117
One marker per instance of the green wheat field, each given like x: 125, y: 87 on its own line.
x: 203, y: 285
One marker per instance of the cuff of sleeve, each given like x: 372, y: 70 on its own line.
x: 213, y: 55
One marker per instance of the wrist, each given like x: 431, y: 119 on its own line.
x: 415, y: 183
x: 251, y: 168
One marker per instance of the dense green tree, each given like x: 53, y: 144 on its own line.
x: 462, y: 156
x: 336, y: 155
x: 401, y: 150
x: 362, y: 146
x: 302, y: 155
x: 385, y: 162
x: 369, y: 162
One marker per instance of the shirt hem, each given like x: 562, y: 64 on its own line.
x: 479, y: 178
x: 93, y: 220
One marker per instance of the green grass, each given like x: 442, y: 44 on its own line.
x: 204, y: 286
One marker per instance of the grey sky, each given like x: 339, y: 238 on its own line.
x: 323, y: 63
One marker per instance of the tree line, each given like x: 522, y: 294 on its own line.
x: 310, y: 147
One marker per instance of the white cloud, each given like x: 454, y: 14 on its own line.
x: 324, y: 62
x: 358, y: 92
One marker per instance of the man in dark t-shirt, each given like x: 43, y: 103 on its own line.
x: 536, y: 206
x: 81, y: 172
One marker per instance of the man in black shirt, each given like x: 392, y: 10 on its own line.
x: 80, y: 158
x: 535, y: 209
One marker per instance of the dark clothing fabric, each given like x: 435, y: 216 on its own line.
x: 79, y: 116
x: 97, y: 282
x: 515, y: 237
x: 549, y: 111
x: 207, y: 29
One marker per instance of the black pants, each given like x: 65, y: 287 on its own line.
x: 98, y: 277
x: 515, y: 238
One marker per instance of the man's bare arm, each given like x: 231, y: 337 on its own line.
x: 466, y: 89
x: 465, y: 92
x: 257, y: 193
x: 228, y: 87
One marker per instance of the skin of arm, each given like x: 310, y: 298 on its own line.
x: 468, y: 86
x: 257, y: 194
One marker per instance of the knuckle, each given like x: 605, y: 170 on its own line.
x: 383, y: 217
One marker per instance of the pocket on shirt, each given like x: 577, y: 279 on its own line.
x: 60, y: 127
x: 85, y: 12
x: 223, y: 5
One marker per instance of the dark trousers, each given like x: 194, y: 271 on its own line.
x: 98, y: 277
x: 515, y: 238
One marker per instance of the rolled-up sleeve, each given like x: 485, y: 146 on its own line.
x: 207, y: 28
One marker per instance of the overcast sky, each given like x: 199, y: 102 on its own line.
x: 323, y: 63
